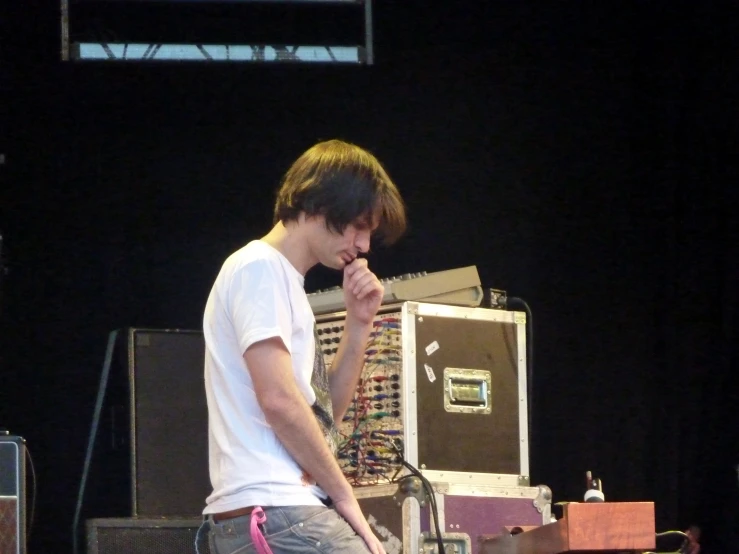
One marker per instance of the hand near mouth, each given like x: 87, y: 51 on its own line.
x: 362, y: 291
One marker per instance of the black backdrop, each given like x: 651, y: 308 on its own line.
x: 582, y: 155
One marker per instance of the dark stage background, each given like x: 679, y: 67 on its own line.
x: 581, y: 154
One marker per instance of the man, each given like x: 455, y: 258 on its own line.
x: 272, y: 404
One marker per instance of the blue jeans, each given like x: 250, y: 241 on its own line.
x: 288, y: 530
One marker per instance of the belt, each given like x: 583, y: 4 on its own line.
x: 231, y: 514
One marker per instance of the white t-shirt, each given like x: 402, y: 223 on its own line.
x: 258, y: 294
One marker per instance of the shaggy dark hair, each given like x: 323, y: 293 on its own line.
x: 345, y: 184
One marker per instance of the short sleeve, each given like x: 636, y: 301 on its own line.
x: 259, y: 303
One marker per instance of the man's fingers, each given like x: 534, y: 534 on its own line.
x: 354, y: 273
x: 355, y: 265
x: 373, y: 544
x: 360, y: 281
x: 363, y: 281
x: 369, y: 289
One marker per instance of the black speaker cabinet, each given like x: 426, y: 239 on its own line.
x: 144, y: 536
x: 12, y: 495
x: 150, y: 452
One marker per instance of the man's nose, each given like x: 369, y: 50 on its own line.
x: 362, y: 242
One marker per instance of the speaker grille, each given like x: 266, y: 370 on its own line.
x: 12, y: 495
x: 134, y: 536
x: 8, y: 526
x: 170, y: 423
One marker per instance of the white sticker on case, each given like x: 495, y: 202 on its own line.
x: 430, y: 372
x: 431, y: 348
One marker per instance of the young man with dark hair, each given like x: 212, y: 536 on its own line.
x: 272, y: 402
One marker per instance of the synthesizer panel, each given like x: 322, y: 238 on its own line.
x: 444, y: 384
x: 375, y: 416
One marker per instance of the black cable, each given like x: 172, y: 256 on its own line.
x: 396, y: 445
x: 529, y: 360
x: 432, y: 501
x: 32, y: 510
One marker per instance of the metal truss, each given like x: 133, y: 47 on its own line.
x: 217, y: 53
x: 185, y: 52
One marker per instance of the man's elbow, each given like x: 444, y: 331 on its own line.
x: 277, y: 405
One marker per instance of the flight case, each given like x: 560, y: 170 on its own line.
x: 401, y: 517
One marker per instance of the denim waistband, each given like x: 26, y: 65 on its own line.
x: 278, y: 518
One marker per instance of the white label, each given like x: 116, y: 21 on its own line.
x: 430, y: 372
x: 431, y: 348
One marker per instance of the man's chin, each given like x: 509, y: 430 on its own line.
x: 337, y: 264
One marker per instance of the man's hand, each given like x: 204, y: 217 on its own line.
x: 349, y: 509
x: 362, y: 291
x: 362, y: 296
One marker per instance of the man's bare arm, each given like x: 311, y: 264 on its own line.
x: 290, y: 416
x: 347, y: 366
x: 363, y: 295
x: 295, y: 425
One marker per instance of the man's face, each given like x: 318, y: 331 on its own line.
x: 337, y: 250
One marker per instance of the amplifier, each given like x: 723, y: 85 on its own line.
x: 144, y: 536
x: 12, y: 495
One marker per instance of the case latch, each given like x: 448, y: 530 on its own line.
x: 467, y: 391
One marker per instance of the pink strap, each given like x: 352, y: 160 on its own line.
x: 258, y: 517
